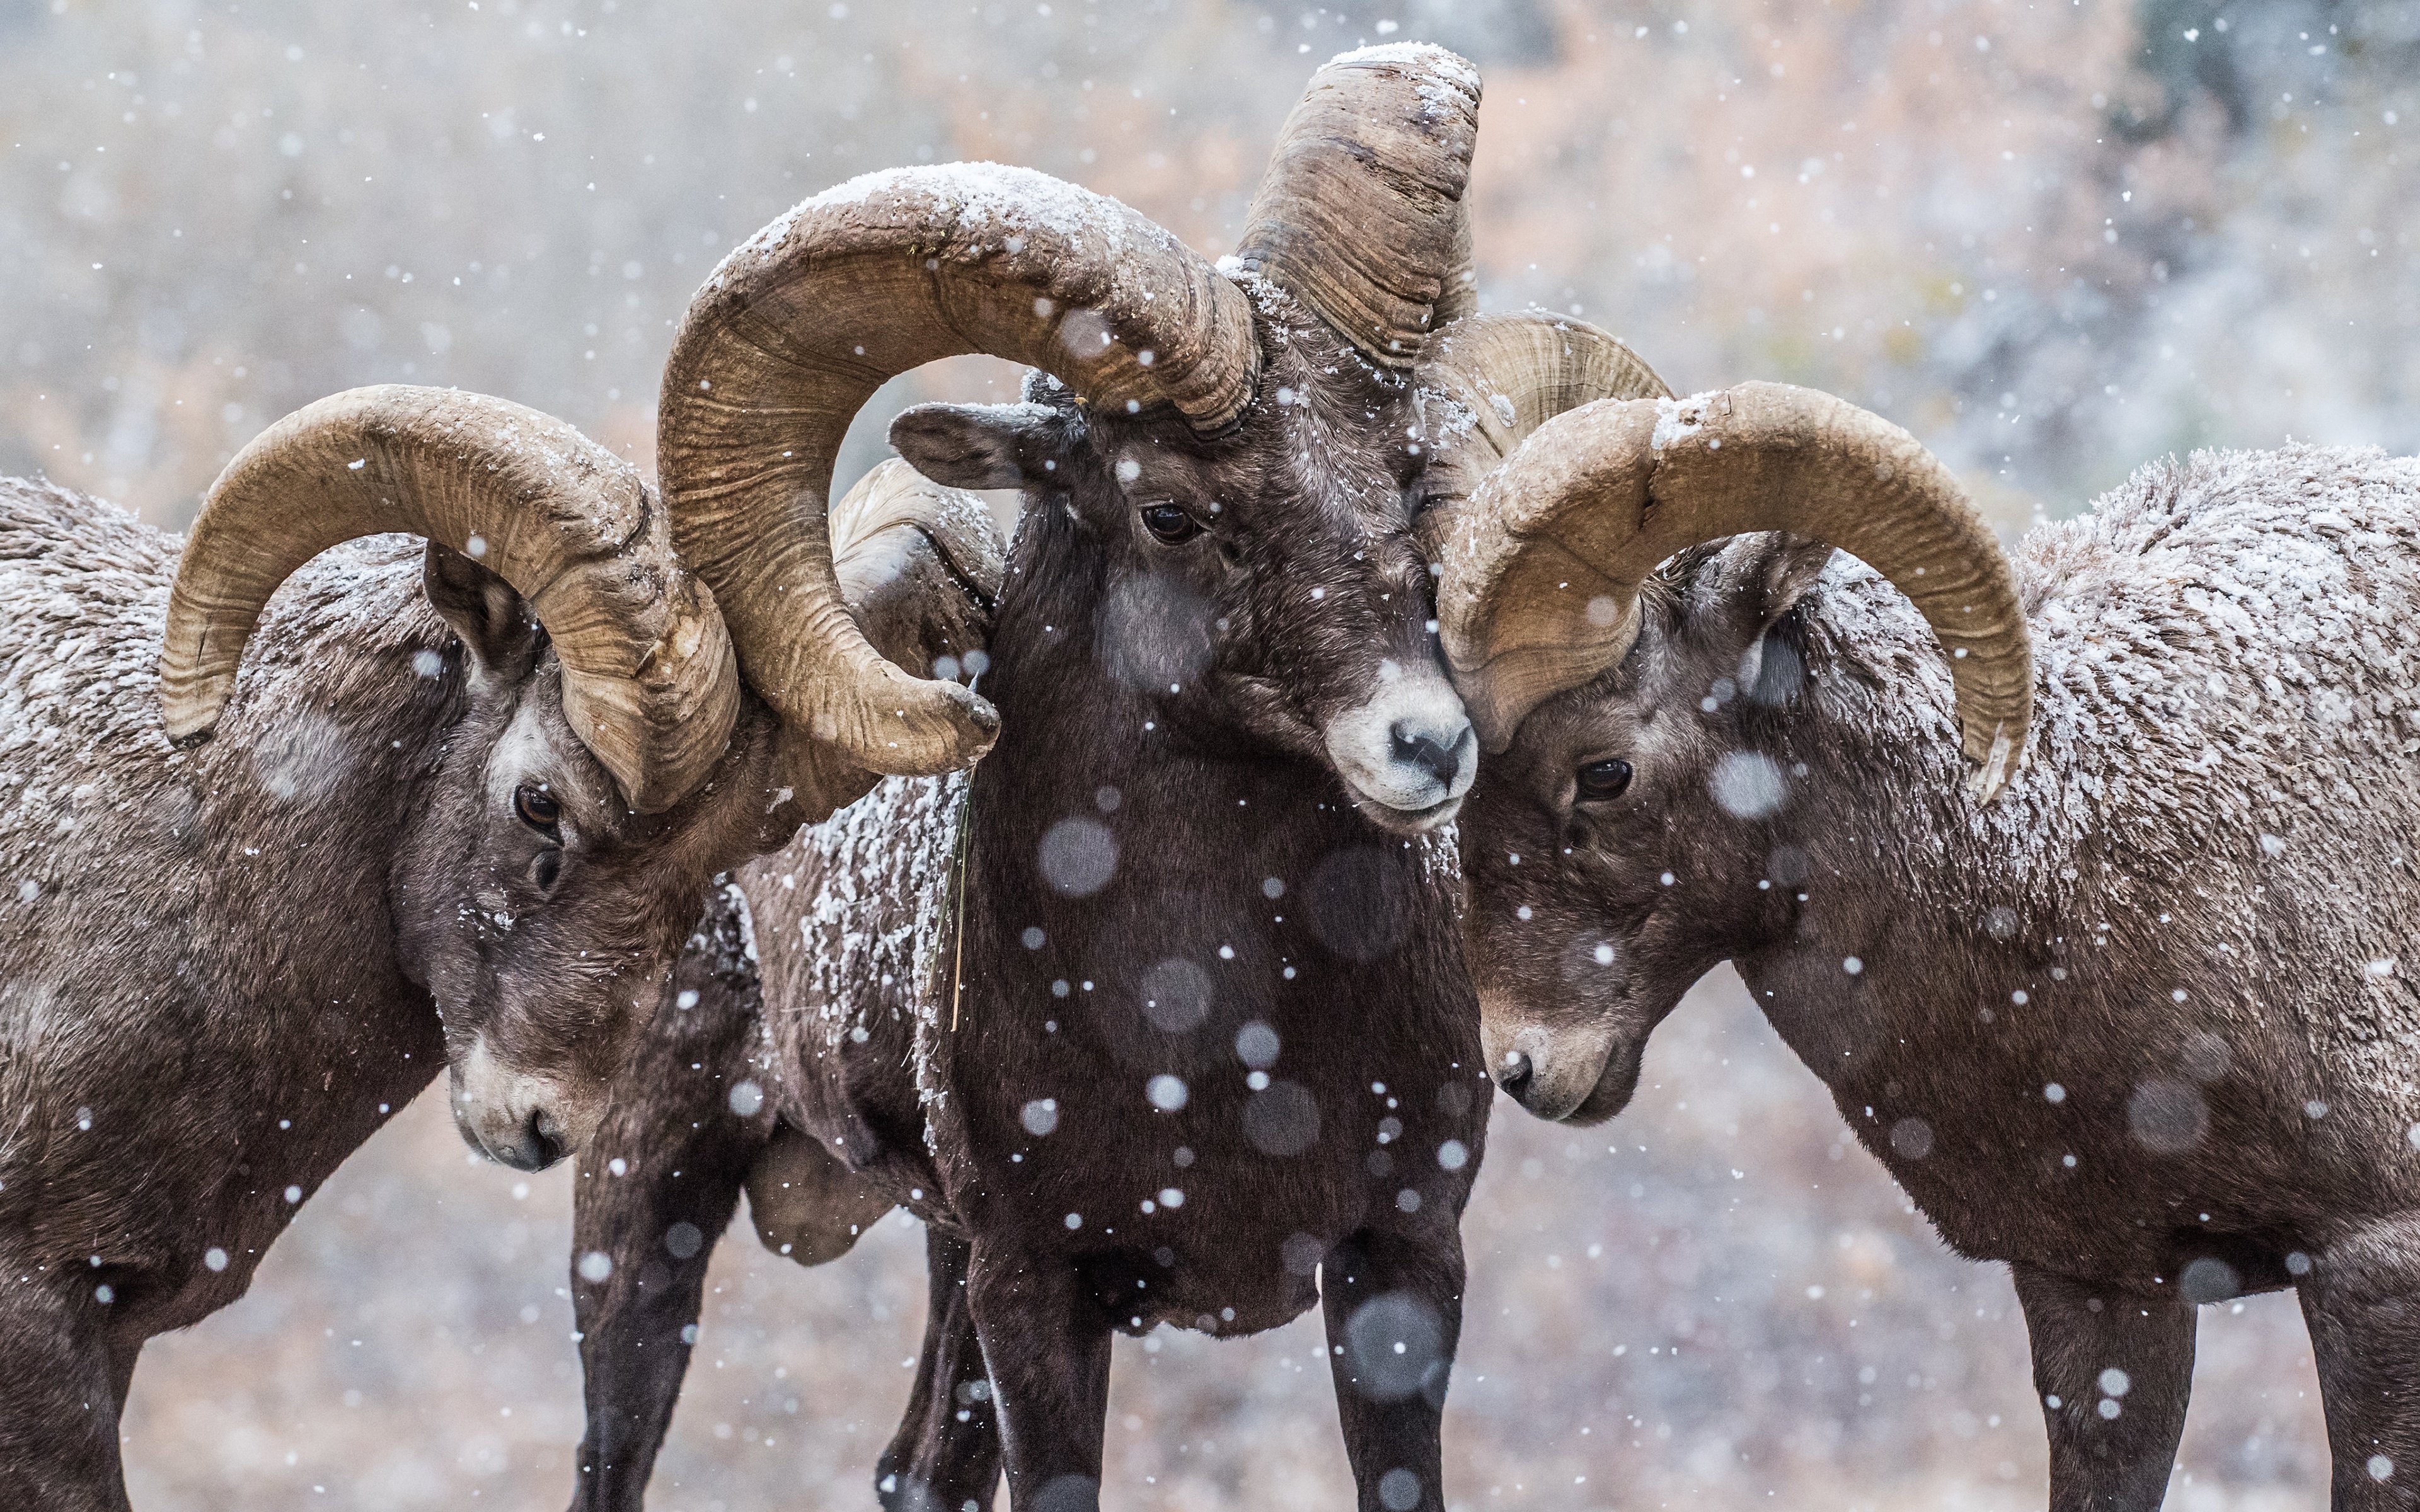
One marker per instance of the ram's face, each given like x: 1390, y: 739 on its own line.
x: 1261, y: 585
x: 1635, y: 834
x: 539, y: 911
x: 1576, y: 943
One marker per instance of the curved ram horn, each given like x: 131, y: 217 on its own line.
x: 918, y: 564
x: 1489, y: 380
x: 1360, y: 216
x: 800, y: 326
x: 1540, y: 591
x: 649, y: 683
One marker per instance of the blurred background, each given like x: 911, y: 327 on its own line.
x: 2055, y: 239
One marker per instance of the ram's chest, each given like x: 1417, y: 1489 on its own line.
x: 1206, y: 1194
x: 1190, y: 1104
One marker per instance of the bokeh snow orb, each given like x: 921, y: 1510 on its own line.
x: 1077, y: 856
x: 1747, y: 784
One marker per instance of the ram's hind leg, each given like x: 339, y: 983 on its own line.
x: 2362, y: 1301
x: 946, y: 1455
x: 2113, y: 1374
x: 656, y: 1188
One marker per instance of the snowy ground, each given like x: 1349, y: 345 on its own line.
x: 1742, y: 1313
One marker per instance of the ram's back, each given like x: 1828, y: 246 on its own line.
x: 2225, y: 784
x: 83, y: 591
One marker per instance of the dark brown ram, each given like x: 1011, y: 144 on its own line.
x: 1192, y: 1029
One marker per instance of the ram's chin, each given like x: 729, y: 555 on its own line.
x: 1405, y: 822
x: 1615, y: 1086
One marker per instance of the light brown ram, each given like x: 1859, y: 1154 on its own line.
x: 457, y: 806
x: 2121, y: 997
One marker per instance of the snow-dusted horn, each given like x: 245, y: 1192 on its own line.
x: 1361, y: 215
x: 649, y: 683
x: 1540, y: 589
x: 800, y: 326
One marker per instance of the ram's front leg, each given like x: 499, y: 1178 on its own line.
x: 1394, y: 1315
x: 62, y: 1386
x: 656, y: 1188
x: 2113, y: 1373
x: 1046, y: 1344
x: 946, y: 1455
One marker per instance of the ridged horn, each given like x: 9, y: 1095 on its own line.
x: 1360, y: 216
x: 1489, y: 380
x: 1540, y: 589
x: 649, y: 682
x: 799, y: 327
x: 918, y: 564
x: 1458, y: 299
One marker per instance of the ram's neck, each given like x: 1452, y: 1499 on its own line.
x: 1904, y: 907
x: 318, y: 767
x: 1077, y: 743
x: 1127, y: 844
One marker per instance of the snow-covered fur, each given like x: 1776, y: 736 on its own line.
x: 2145, y: 1028
x: 221, y: 969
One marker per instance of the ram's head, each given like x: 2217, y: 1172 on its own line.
x: 1618, y: 600
x: 594, y: 752
x: 1218, y: 462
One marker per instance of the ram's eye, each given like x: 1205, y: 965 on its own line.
x: 1169, y: 523
x: 538, y: 810
x: 1604, y: 779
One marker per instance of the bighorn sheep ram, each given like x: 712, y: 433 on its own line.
x: 475, y: 836
x: 2141, y: 1027
x: 1146, y: 1021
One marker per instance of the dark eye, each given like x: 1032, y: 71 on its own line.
x: 1604, y: 779
x: 1169, y: 523
x: 538, y: 810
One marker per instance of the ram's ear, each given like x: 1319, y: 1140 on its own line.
x: 494, y: 623
x: 983, y: 445
x: 1740, y: 593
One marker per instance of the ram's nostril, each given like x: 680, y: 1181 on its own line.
x: 542, y: 1140
x: 1440, y: 758
x: 1515, y: 1075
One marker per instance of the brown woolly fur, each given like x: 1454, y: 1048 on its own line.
x: 221, y: 969
x: 2144, y: 1027
x: 1198, y: 1029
